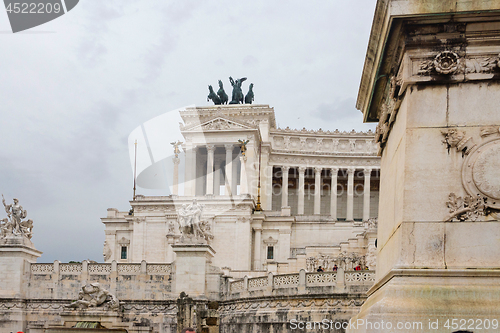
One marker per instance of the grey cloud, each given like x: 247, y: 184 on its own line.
x: 335, y: 111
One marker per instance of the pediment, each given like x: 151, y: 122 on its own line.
x: 219, y: 124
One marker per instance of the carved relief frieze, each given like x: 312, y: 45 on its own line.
x: 311, y: 162
x: 326, y: 303
x: 449, y: 62
x: 148, y: 307
x: 319, y: 132
x: 324, y: 145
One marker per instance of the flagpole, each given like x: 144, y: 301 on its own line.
x: 135, y: 166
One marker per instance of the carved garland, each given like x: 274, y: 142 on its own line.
x: 449, y: 62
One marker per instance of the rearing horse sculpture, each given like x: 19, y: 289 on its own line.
x: 213, y: 96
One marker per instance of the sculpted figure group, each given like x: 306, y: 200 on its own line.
x: 93, y: 295
x: 14, y: 223
x: 237, y: 96
x: 190, y: 224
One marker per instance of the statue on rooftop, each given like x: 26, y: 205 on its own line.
x: 222, y: 94
x: 213, y: 96
x: 237, y: 92
x: 176, y: 147
x: 14, y: 224
x: 249, y: 96
x: 243, y: 146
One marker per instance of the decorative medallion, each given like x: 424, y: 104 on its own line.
x: 481, y: 172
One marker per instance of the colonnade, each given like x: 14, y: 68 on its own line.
x: 213, y: 172
x: 213, y: 175
x: 334, y: 171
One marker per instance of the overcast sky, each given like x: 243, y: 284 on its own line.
x: 72, y: 90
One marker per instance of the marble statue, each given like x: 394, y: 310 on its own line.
x: 93, y: 295
x: 190, y: 224
x: 249, y: 97
x: 14, y: 224
x: 237, y: 92
x: 222, y: 94
x: 107, y: 253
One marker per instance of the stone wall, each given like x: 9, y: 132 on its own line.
x: 280, y: 314
x: 34, y: 316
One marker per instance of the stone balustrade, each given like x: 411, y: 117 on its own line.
x: 302, y: 283
x: 63, y: 280
x: 100, y: 269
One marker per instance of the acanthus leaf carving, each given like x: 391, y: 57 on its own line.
x: 481, y: 65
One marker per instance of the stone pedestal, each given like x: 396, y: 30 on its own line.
x: 436, y: 100
x: 16, y: 254
x: 191, y: 267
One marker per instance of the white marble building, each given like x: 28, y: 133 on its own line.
x: 299, y: 226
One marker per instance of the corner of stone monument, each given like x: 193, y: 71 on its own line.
x: 431, y: 81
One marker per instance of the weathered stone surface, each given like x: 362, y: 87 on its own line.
x: 437, y: 108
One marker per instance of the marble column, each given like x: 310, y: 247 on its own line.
x: 257, y: 246
x: 190, y: 172
x: 269, y: 188
x: 350, y: 194
x: 216, y: 176
x: 300, y: 208
x: 284, y: 186
x: 333, y: 193
x: 243, y: 173
x: 317, y: 190
x: 234, y: 184
x: 210, y: 169
x: 175, y: 189
x: 229, y: 169
x: 366, y: 194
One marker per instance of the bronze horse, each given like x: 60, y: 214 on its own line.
x: 222, y: 94
x: 249, y: 96
x: 213, y: 96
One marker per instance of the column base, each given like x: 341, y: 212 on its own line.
x: 419, y: 300
x: 16, y: 253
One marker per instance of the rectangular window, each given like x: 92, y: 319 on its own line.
x: 270, y: 252
x: 124, y: 252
